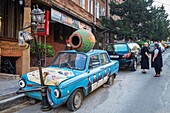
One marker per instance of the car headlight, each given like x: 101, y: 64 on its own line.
x: 56, y: 93
x: 22, y: 83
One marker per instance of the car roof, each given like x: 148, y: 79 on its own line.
x: 93, y: 51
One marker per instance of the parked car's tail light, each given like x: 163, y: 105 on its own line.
x: 22, y: 83
x: 127, y: 55
x: 56, y: 93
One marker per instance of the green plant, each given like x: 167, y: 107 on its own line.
x: 49, y: 49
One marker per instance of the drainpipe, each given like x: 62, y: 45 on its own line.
x: 107, y: 8
x: 107, y: 16
x: 94, y: 21
x: 94, y: 11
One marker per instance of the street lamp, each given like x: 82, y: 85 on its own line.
x: 37, y: 16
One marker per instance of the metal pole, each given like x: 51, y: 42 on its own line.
x: 45, y: 42
x: 45, y: 105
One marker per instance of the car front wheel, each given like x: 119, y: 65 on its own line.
x: 75, y: 100
x: 134, y: 65
x: 110, y: 80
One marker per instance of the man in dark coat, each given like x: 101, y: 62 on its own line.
x: 145, y: 58
x: 157, y: 60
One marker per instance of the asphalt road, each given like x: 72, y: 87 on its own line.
x: 132, y: 92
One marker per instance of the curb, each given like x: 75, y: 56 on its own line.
x: 5, y: 96
x: 9, y: 76
x: 13, y: 100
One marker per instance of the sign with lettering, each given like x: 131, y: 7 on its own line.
x: 62, y: 18
x: 10, y: 49
x: 76, y: 23
x: 55, y: 15
x: 66, y: 20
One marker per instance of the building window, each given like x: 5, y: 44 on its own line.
x: 97, y: 9
x: 82, y: 3
x: 90, y: 6
x: 11, y: 19
x: 102, y: 11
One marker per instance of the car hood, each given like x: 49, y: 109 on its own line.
x: 51, y: 76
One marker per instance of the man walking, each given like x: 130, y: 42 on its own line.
x: 156, y: 62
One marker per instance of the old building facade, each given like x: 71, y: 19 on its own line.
x: 66, y: 16
x: 12, y: 56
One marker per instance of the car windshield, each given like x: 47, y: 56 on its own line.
x: 117, y: 47
x: 70, y: 60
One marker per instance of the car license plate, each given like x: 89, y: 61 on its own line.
x: 114, y: 56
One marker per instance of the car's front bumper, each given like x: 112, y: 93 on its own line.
x: 34, y: 91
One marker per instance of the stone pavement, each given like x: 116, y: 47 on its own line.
x: 8, y: 86
x: 8, y: 83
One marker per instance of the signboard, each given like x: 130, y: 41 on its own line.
x: 55, y: 15
x: 62, y: 18
x: 66, y: 20
x: 10, y: 49
x: 76, y: 23
x: 43, y: 29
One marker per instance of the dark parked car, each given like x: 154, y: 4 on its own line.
x: 128, y: 54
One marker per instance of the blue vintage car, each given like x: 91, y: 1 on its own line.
x: 71, y: 76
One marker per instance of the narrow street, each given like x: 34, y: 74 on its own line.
x: 132, y: 92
